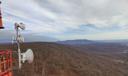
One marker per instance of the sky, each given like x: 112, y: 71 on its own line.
x: 69, y: 19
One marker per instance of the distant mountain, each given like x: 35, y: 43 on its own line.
x: 78, y: 42
x: 95, y: 46
x: 95, y: 42
x: 7, y: 37
x: 36, y: 38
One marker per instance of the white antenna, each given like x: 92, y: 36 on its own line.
x: 28, y: 55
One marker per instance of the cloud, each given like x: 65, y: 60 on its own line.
x: 98, y: 36
x: 67, y: 17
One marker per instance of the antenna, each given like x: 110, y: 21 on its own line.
x: 26, y: 56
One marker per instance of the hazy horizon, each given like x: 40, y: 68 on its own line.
x: 68, y: 20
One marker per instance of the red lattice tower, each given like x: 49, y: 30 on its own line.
x: 5, y: 63
x: 5, y: 57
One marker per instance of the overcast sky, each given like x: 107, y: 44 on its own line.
x: 69, y: 19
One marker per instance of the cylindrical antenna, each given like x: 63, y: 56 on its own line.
x: 19, y: 39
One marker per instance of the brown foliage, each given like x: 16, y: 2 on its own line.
x: 60, y: 60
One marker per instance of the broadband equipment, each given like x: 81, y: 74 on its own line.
x: 26, y: 56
